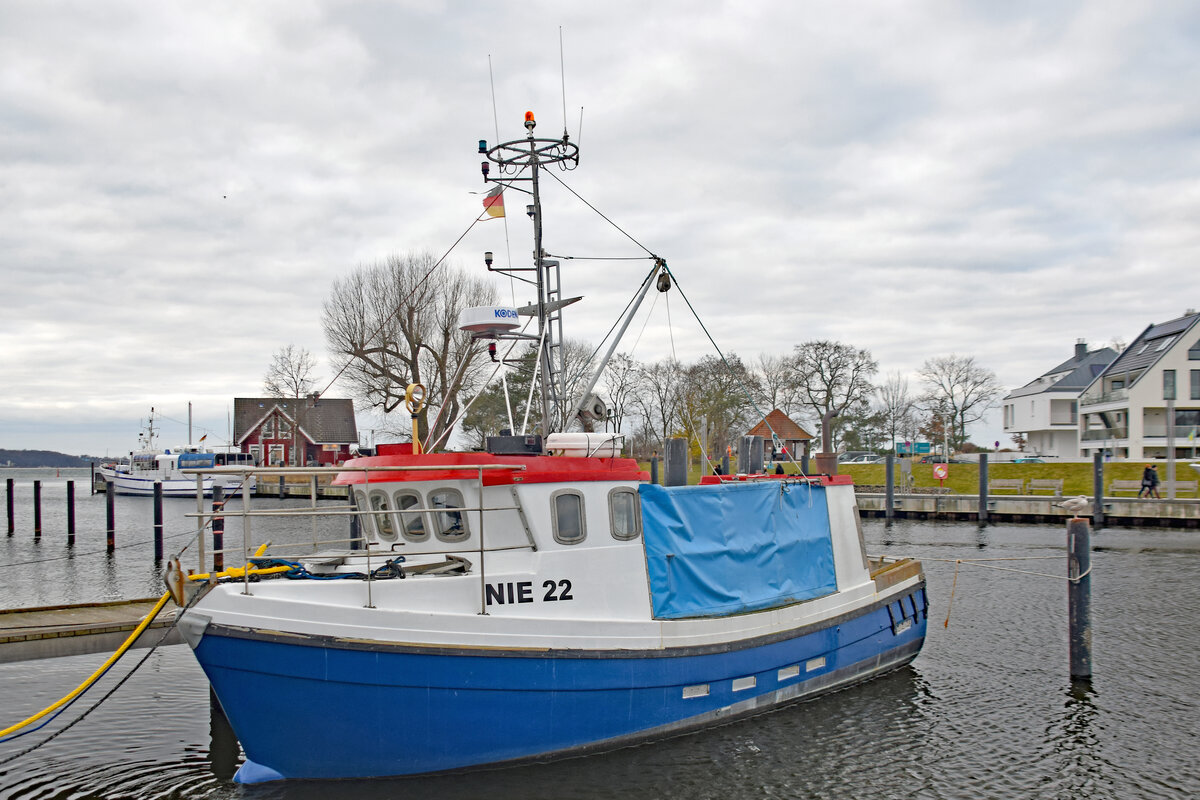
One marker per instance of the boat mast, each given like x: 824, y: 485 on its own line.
x: 514, y: 158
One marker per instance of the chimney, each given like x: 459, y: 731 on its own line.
x: 1080, y: 349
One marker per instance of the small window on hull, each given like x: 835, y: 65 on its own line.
x: 368, y: 522
x: 383, y: 522
x: 449, y: 518
x: 566, y: 511
x: 412, y: 523
x: 625, y: 514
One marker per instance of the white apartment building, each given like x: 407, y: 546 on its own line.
x: 1045, y: 410
x: 1150, y: 393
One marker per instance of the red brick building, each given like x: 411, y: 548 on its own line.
x: 791, y: 435
x: 294, y: 432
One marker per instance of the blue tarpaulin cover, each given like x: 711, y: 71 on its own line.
x: 724, y: 549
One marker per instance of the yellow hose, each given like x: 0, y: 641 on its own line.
x: 95, y: 676
x: 128, y: 643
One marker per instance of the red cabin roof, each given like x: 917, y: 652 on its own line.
x: 460, y: 466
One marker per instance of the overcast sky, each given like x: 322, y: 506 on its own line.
x: 180, y: 183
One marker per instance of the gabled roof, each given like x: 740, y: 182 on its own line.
x: 327, y: 420
x: 1080, y: 371
x: 783, y: 426
x: 1152, y: 344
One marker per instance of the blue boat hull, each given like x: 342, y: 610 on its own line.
x: 313, y: 708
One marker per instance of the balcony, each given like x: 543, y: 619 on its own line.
x: 1102, y: 434
x: 1115, y: 396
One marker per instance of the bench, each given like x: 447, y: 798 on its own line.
x: 1015, y: 485
x: 1054, y: 485
x: 1124, y: 486
x: 1181, y: 487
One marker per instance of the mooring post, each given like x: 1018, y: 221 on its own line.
x: 654, y: 468
x: 93, y: 483
x: 70, y: 513
x: 889, y: 498
x: 280, y: 487
x: 725, y: 464
x: 754, y: 446
x: 110, y: 504
x: 1098, y: 489
x: 983, y: 486
x: 37, y: 509
x: 675, y: 464
x: 1079, y: 597
x: 218, y: 529
x: 9, y: 484
x: 158, y: 522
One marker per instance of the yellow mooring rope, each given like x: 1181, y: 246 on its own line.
x: 95, y: 676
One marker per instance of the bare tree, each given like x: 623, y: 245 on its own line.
x: 290, y: 373
x: 961, y: 389
x: 620, y: 381
x: 898, y: 406
x: 830, y: 376
x: 716, y: 400
x: 396, y: 323
x: 658, y: 398
x: 776, y: 377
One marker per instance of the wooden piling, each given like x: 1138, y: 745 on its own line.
x: 983, y: 485
x: 889, y: 500
x: 158, y: 522
x: 1079, y: 597
x: 110, y: 497
x: 37, y: 509
x: 675, y: 463
x: 654, y: 469
x: 70, y: 513
x: 1098, y: 489
x: 11, y: 527
x: 281, y: 489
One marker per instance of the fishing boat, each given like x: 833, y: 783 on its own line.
x: 149, y: 465
x: 541, y: 598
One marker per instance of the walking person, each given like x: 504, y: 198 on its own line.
x: 1150, y: 482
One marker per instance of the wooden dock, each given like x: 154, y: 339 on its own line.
x: 1118, y: 511
x: 52, y: 631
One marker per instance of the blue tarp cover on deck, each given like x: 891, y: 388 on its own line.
x: 724, y: 549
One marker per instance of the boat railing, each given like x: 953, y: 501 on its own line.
x: 250, y: 545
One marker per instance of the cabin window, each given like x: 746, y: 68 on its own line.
x: 368, y: 522
x: 383, y: 522
x: 624, y: 514
x: 412, y: 523
x: 449, y: 518
x: 566, y: 511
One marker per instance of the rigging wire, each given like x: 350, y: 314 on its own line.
x: 416, y: 286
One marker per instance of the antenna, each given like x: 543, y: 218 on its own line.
x: 562, y: 70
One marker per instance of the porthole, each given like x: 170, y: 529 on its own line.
x: 367, y: 521
x: 383, y: 521
x: 624, y: 514
x: 449, y: 518
x: 412, y: 523
x: 566, y: 512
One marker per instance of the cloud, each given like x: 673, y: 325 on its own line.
x: 183, y: 184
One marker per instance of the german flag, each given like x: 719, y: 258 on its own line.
x: 493, y: 202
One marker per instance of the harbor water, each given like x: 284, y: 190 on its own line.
x: 987, y: 709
